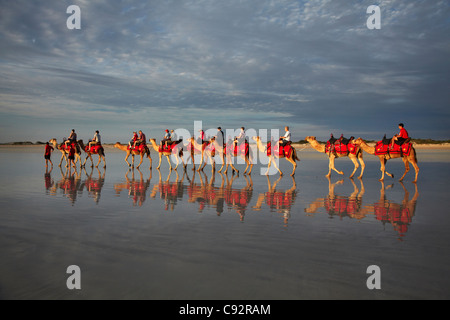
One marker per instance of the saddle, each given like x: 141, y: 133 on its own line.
x: 341, y: 146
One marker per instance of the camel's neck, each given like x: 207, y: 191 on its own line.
x: 154, y: 145
x: 120, y: 147
x: 367, y: 148
x: 316, y: 145
x: 259, y: 145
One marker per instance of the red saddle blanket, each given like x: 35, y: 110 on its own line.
x: 67, y: 148
x: 139, y: 148
x: 340, y: 148
x: 285, y: 151
x: 168, y: 148
x: 241, y: 149
x: 382, y: 149
x: 94, y: 149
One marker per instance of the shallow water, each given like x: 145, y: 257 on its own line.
x: 141, y: 234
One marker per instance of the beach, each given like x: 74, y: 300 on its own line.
x: 160, y: 234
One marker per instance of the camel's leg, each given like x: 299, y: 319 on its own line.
x: 363, y: 166
x: 383, y: 169
x: 251, y: 168
x: 140, y: 162
x: 150, y: 160
x: 201, y: 163
x: 274, y: 164
x: 63, y: 156
x: 294, y: 165
x: 178, y: 162
x: 406, y: 162
x: 331, y: 167
x: 223, y: 163
x: 416, y: 168
x: 84, y: 163
x: 159, y: 164
x: 126, y: 159
x: 193, y: 160
x: 356, y: 166
x: 248, y: 164
x: 170, y: 164
x: 104, y: 160
x: 99, y: 160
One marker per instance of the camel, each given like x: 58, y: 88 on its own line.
x: 65, y: 152
x: 248, y: 157
x: 175, y: 152
x: 332, y: 156
x: 292, y: 158
x: 100, y: 151
x: 142, y: 152
x: 196, y: 148
x: 411, y: 158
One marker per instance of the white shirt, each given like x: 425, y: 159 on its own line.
x: 287, y: 136
x: 97, y: 138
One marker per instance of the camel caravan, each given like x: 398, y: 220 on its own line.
x: 216, y: 148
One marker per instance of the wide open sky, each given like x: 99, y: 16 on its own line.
x: 157, y: 64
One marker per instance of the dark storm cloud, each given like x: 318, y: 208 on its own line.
x: 313, y: 65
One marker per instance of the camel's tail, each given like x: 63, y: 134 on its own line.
x: 147, y: 151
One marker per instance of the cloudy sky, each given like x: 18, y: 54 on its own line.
x: 157, y: 64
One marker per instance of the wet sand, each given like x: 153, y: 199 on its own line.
x: 141, y: 234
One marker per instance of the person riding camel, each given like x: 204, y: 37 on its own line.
x: 133, y: 140
x: 167, y: 138
x: 95, y: 141
x: 140, y: 140
x: 240, y: 138
x: 401, y: 137
x: 284, y: 140
x: 72, y: 138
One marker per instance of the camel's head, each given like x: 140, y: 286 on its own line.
x: 256, y: 138
x: 310, y: 138
x: 152, y: 140
x: 117, y: 144
x: 358, y: 141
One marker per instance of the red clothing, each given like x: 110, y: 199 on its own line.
x: 403, y: 133
x: 142, y: 137
x: 48, y: 150
x: 71, y: 151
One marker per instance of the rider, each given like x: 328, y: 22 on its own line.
x: 72, y: 138
x: 240, y: 138
x: 133, y: 140
x: 401, y: 137
x: 167, y: 137
x: 140, y: 140
x: 284, y: 140
x: 96, y: 140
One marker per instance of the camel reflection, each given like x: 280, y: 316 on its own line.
x: 136, y: 189
x: 169, y: 192
x: 399, y: 215
x: 71, y: 186
x: 206, y: 194
x: 92, y: 184
x: 277, y: 200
